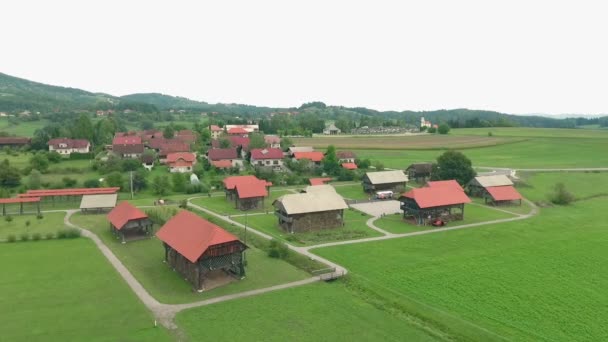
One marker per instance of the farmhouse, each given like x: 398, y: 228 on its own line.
x: 346, y: 156
x: 128, y: 146
x: 331, y: 129
x: 478, y: 184
x: 269, y: 157
x: 319, y: 207
x: 247, y: 128
x: 172, y: 147
x: 424, y: 205
x: 316, y: 157
x: 181, y: 162
x: 223, y: 154
x: 238, y: 142
x: 294, y: 149
x: 216, y: 131
x: 65, y: 146
x: 247, y: 192
x: 384, y: 180
x: 238, y: 131
x: 272, y: 141
x: 14, y: 141
x: 419, y: 171
x: 98, y: 203
x: 128, y: 223
x: 200, y: 251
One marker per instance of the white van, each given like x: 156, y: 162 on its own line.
x: 384, y: 194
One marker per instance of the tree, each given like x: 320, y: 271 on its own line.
x: 91, y: 183
x: 179, y: 182
x: 330, y: 162
x: 561, y: 195
x: 431, y: 130
x: 83, y: 128
x: 115, y: 179
x: 363, y: 163
x: 224, y: 143
x: 168, y: 132
x: 139, y: 180
x: 54, y: 157
x: 443, y: 129
x: 378, y: 165
x: 130, y: 164
x: 147, y: 124
x: 256, y: 140
x: 286, y: 143
x: 33, y: 181
x: 160, y: 185
x: 9, y: 176
x: 40, y: 162
x: 453, y: 165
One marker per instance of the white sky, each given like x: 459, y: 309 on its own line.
x: 510, y: 56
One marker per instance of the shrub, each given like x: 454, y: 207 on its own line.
x: 24, y: 237
x: 490, y: 134
x: 49, y: 236
x: 72, y: 233
x: 11, y: 238
x: 277, y: 249
x: 91, y: 183
x: 183, y: 204
x: 69, y: 182
x: 8, y: 218
x: 27, y: 223
x: 36, y: 236
x: 61, y: 234
x: 443, y: 129
x: 39, y: 217
x: 561, y: 195
x: 193, y: 188
x: 431, y: 130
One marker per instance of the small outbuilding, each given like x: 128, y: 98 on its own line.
x: 501, y: 195
x: 318, y: 207
x: 424, y: 205
x: 98, y: 203
x: 384, y: 181
x: 247, y: 192
x: 452, y: 184
x: 205, y: 254
x: 478, y: 185
x: 128, y: 222
x: 419, y: 171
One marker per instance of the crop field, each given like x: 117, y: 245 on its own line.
x: 50, y: 223
x: 522, y: 132
x: 144, y: 258
x: 95, y: 303
x: 581, y: 184
x: 354, y: 228
x: 320, y: 312
x: 415, y: 142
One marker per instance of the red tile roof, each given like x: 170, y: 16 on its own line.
x: 345, y: 155
x: 69, y: 192
x: 215, y: 128
x: 437, y: 196
x: 314, y: 156
x: 239, y: 141
x: 222, y: 154
x: 222, y: 164
x: 126, y: 140
x: 349, y: 166
x: 19, y: 200
x: 319, y: 181
x: 128, y: 149
x: 272, y: 139
x: 123, y: 213
x: 237, y: 130
x: 252, y: 189
x: 190, y: 235
x: 445, y: 184
x: 186, y: 156
x: 14, y: 140
x: 232, y: 181
x: 70, y: 143
x: 167, y: 149
x: 503, y: 193
x: 266, y: 153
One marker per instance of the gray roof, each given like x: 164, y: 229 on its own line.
x: 383, y: 177
x: 98, y: 201
x: 317, y: 198
x: 487, y: 181
x: 293, y: 149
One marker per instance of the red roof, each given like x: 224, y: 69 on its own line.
x: 222, y: 164
x: 272, y: 139
x: 266, y: 153
x: 349, y: 166
x: 70, y: 143
x: 14, y: 140
x: 345, y: 155
x: 319, y: 181
x: 190, y: 235
x: 503, y: 193
x: 19, y: 200
x: 222, y: 154
x: 239, y: 141
x: 167, y: 149
x: 215, y: 128
x: 181, y: 163
x: 231, y: 182
x: 445, y: 184
x: 437, y: 196
x: 186, y: 156
x: 127, y: 140
x: 314, y: 156
x: 123, y: 213
x: 252, y: 189
x: 70, y: 192
x: 237, y: 130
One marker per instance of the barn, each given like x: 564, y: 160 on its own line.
x: 247, y: 192
x: 205, y: 254
x: 419, y: 171
x: 98, y: 203
x: 445, y: 184
x: 495, y: 190
x: 318, y: 207
x: 384, y: 180
x: 128, y: 222
x: 424, y: 205
x: 478, y: 184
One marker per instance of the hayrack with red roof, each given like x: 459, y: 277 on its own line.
x: 198, y: 249
x: 445, y: 183
x: 69, y: 192
x: 247, y: 192
x: 21, y: 201
x: 319, y: 181
x: 430, y: 203
x: 502, y: 195
x: 314, y: 156
x: 349, y: 166
x: 128, y: 222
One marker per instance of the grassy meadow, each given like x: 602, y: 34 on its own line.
x: 23, y: 129
x: 221, y: 205
x: 65, y: 290
x: 50, y: 223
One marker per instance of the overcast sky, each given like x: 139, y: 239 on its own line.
x: 509, y: 56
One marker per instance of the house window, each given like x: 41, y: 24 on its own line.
x: 260, y: 162
x: 275, y: 162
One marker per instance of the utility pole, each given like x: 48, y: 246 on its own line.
x: 131, y: 181
x: 244, y: 252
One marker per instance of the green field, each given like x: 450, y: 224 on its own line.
x: 351, y: 191
x: 321, y: 312
x: 65, y: 290
x: 526, y: 132
x: 537, y: 279
x: 144, y: 258
x: 50, y: 223
x: 23, y: 129
x: 221, y: 205
x: 581, y: 184
x: 354, y: 228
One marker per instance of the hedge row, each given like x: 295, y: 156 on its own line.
x: 70, y: 233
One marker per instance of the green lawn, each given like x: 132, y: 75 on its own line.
x: 65, y: 290
x: 531, y: 132
x: 23, y: 129
x: 537, y: 279
x: 352, y: 191
x: 354, y: 228
x: 473, y: 213
x: 581, y: 184
x: 144, y: 258
x: 221, y: 205
x: 532, y: 153
x: 50, y: 223
x: 320, y: 312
